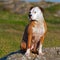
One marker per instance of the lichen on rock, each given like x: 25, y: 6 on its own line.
x: 50, y: 54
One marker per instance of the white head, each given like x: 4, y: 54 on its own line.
x: 35, y: 13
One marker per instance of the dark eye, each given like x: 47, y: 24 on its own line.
x: 35, y: 12
x: 29, y: 12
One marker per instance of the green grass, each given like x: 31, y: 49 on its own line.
x: 12, y: 28
x: 53, y: 8
x: 11, y: 31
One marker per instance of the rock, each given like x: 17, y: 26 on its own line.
x: 50, y: 54
x: 40, y: 58
x: 23, y: 57
x: 21, y: 7
x: 57, y: 14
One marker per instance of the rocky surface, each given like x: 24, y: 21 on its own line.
x: 21, y: 7
x: 50, y: 54
x: 57, y: 14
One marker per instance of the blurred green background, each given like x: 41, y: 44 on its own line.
x: 13, y: 23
